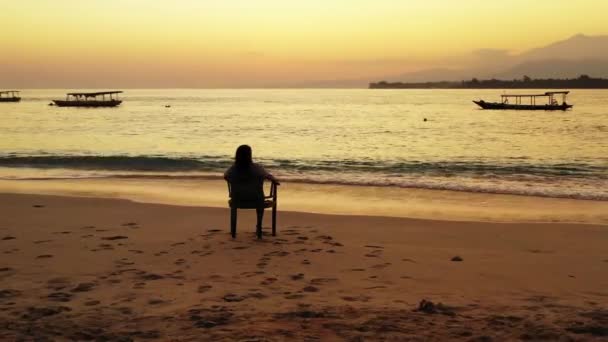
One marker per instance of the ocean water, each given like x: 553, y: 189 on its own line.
x: 358, y: 137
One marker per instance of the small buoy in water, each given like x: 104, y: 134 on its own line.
x: 167, y: 106
x: 424, y: 119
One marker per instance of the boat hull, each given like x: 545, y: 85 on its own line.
x: 506, y: 106
x: 10, y: 99
x: 63, y: 103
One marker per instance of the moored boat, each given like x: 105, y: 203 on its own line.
x: 96, y: 99
x: 9, y: 96
x: 552, y: 103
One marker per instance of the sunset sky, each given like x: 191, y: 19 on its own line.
x: 246, y: 43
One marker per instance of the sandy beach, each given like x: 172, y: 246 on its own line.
x: 112, y: 269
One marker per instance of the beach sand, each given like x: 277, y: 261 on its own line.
x: 112, y: 269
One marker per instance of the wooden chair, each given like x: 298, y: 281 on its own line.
x: 269, y: 201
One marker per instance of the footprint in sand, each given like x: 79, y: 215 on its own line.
x: 310, y: 289
x: 305, y: 262
x: 375, y: 287
x: 60, y: 297
x: 125, y: 310
x: 35, y: 313
x: 277, y: 253
x: 540, y: 251
x: 204, y: 288
x: 409, y: 260
x: 177, y: 244
x: 38, y: 206
x: 84, y: 287
x: 268, y: 281
x: 231, y: 297
x: 123, y: 262
x: 256, y: 295
x: 323, y: 281
x: 360, y: 298
x: 92, y: 303
x: 374, y: 254
x: 381, y: 266
x: 57, y: 284
x: 116, y: 237
x: 252, y: 274
x: 9, y: 294
x: 150, y: 276
x: 6, y: 238
x: 357, y: 270
x: 44, y: 256
x: 294, y: 296
x: 42, y: 241
x: 139, y: 285
x: 130, y: 225
x: 105, y: 246
x: 298, y: 276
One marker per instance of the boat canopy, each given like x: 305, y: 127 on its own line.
x: 549, y: 93
x: 99, y: 93
x: 9, y: 92
x: 532, y: 97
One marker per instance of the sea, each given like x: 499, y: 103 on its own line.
x: 423, y: 139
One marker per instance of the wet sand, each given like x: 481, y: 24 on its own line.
x: 111, y: 269
x: 333, y: 199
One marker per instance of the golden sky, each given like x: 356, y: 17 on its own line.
x: 240, y: 43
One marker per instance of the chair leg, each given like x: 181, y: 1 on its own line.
x: 233, y: 222
x: 274, y: 220
x: 260, y: 212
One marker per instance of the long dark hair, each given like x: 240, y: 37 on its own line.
x: 242, y: 158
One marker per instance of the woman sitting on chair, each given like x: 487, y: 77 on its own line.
x: 246, y: 180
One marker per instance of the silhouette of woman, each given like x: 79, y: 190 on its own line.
x: 246, y: 180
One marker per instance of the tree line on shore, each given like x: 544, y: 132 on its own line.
x: 582, y: 82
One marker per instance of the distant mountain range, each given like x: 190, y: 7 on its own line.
x: 577, y: 55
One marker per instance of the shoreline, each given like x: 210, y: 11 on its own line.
x: 446, y: 205
x: 81, y: 268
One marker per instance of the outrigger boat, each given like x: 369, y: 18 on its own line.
x: 9, y: 96
x: 97, y: 99
x: 550, y: 95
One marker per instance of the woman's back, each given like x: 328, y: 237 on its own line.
x: 246, y: 184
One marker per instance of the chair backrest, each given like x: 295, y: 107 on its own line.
x: 251, y: 189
